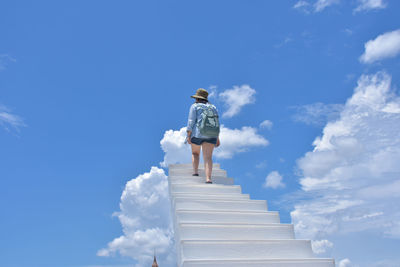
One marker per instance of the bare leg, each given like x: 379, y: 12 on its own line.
x: 207, y: 156
x: 195, y: 158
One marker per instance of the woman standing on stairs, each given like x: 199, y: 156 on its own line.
x: 203, y: 132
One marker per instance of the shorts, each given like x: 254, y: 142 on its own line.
x: 199, y: 141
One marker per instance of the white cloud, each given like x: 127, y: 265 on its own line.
x: 301, y: 4
x: 317, y: 114
x: 261, y: 165
x: 284, y: 42
x: 345, y: 263
x: 5, y: 60
x: 233, y: 141
x: 212, y: 91
x: 236, y: 98
x: 322, y: 4
x: 174, y: 147
x: 366, y: 5
x: 318, y: 6
x: 386, y: 45
x: 273, y: 180
x: 348, y: 31
x: 146, y: 221
x: 266, y: 124
x: 351, y: 179
x: 8, y: 119
x: 321, y: 246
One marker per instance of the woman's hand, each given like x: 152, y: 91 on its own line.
x: 218, y: 143
x: 189, y: 134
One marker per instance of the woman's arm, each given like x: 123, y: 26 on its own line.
x: 218, y: 141
x: 189, y: 133
x: 191, y: 122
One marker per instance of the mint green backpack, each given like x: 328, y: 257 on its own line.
x: 209, y: 123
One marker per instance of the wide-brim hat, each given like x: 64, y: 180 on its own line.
x: 201, y: 93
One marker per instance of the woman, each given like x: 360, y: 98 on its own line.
x: 201, y: 137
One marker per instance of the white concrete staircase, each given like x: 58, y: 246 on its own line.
x: 216, y: 225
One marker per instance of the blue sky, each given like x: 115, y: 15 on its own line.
x: 88, y: 90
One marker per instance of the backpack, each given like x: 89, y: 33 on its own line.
x: 209, y: 123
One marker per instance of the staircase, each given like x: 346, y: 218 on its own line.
x: 216, y: 225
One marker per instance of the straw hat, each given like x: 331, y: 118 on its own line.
x: 201, y: 93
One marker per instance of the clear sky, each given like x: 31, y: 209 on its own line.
x: 307, y: 92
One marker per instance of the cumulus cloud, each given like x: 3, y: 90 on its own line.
x: 301, y: 4
x: 317, y: 114
x: 266, y: 124
x: 321, y: 246
x: 273, y: 180
x: 386, y: 45
x: 318, y: 6
x: 146, y: 221
x: 351, y: 179
x: 322, y: 4
x: 236, y: 98
x: 366, y: 5
x: 348, y: 31
x: 174, y: 147
x: 261, y: 165
x: 284, y: 42
x: 212, y: 91
x: 233, y: 141
x: 5, y: 60
x: 9, y: 120
x: 345, y: 263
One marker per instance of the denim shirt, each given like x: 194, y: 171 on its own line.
x: 194, y: 119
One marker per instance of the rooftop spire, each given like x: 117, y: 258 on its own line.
x: 155, y: 260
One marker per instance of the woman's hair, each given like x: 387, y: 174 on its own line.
x: 199, y: 100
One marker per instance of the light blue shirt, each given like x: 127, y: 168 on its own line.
x: 195, y: 118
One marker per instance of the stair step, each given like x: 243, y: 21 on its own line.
x: 180, y: 172
x: 219, y: 204
x: 212, y: 231
x: 200, y: 180
x: 201, y: 216
x: 189, y: 166
x: 245, y: 249
x: 205, y: 188
x: 236, y: 196
x: 311, y: 262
